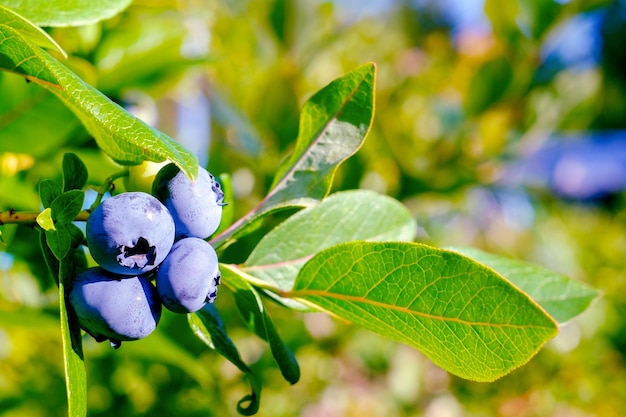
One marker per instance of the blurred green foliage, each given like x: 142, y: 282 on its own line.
x: 454, y: 107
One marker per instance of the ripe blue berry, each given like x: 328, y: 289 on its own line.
x: 195, y: 206
x: 189, y: 276
x: 130, y: 233
x: 114, y: 307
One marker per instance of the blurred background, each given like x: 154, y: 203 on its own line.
x: 500, y: 125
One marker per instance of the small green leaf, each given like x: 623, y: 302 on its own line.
x: 258, y: 321
x: 59, y: 241
x: 122, y: 136
x: 333, y: 125
x: 561, y: 297
x: 66, y: 206
x: 67, y: 12
x: 75, y: 374
x: 18, y: 21
x: 51, y: 260
x: 44, y: 219
x: 74, y: 172
x: 208, y: 326
x: 339, y: 218
x: 76, y: 235
x: 48, y: 191
x: 464, y: 316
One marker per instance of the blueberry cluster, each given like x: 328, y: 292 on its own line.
x: 137, y: 239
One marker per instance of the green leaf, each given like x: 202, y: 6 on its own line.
x: 76, y: 235
x: 48, y: 191
x: 208, y: 326
x: 339, y: 218
x: 464, y: 316
x: 561, y: 297
x: 258, y: 321
x: 51, y: 260
x: 28, y: 29
x: 66, y: 206
x: 122, y: 136
x: 67, y: 12
x: 44, y: 219
x: 333, y: 125
x: 59, y: 241
x: 16, y: 50
x: 74, y: 172
x: 75, y: 374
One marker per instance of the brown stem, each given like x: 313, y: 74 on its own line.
x: 30, y: 217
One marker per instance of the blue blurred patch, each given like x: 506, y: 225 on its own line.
x: 587, y: 166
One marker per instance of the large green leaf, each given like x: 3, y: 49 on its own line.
x: 66, y: 12
x: 209, y: 327
x: 27, y: 29
x: 341, y: 217
x: 121, y: 135
x: 333, y: 125
x: 464, y: 316
x: 562, y: 297
x: 257, y: 319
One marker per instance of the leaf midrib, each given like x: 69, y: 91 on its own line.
x: 357, y: 299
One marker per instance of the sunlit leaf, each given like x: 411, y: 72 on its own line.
x: 464, y: 316
x: 333, y: 124
x: 121, y: 135
x: 66, y: 12
x: 44, y: 219
x: 339, y: 218
x: 11, y: 16
x: 561, y: 297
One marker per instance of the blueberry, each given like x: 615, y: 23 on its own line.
x: 130, y: 233
x: 189, y: 276
x: 195, y: 206
x: 114, y: 307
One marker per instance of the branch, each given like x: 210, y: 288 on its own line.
x: 30, y: 217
